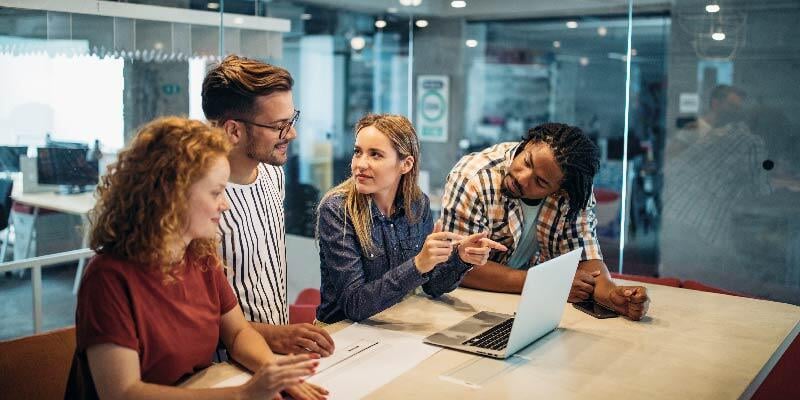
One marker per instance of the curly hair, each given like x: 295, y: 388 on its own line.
x: 576, y: 155
x: 230, y: 89
x: 142, y: 200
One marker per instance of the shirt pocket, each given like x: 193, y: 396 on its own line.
x: 410, y: 247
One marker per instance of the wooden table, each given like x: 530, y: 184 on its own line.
x: 692, y: 345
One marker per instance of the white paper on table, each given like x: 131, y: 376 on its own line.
x: 365, y: 359
x: 357, y: 375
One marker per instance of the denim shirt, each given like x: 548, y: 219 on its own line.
x: 357, y: 284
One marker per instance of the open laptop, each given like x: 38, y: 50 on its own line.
x: 541, y: 305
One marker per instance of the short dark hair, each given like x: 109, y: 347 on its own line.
x: 231, y: 88
x: 721, y: 93
x: 577, y: 156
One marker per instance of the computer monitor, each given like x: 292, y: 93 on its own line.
x: 64, y: 145
x: 9, y: 157
x: 66, y: 167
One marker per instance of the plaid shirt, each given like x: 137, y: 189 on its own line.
x: 473, y: 203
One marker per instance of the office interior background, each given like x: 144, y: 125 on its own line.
x: 635, y: 75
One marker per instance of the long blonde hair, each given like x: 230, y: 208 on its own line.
x: 359, y: 206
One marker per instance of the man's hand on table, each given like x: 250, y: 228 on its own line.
x: 630, y: 301
x: 299, y: 338
x: 582, y: 286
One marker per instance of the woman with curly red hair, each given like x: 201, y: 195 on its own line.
x: 154, y: 302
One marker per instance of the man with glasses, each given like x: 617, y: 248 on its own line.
x: 252, y: 102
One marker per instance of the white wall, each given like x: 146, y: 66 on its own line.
x: 302, y: 257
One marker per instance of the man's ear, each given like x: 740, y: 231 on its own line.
x: 234, y: 130
x: 408, y: 164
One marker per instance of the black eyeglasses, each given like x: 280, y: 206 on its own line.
x: 282, y: 130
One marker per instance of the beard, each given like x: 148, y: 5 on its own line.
x: 256, y: 152
x: 505, y: 191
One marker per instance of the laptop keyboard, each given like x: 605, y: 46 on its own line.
x: 495, y: 338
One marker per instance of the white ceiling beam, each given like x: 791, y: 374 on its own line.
x: 152, y: 13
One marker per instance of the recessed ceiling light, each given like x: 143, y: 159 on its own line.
x: 213, y: 6
x: 305, y: 16
x: 602, y: 31
x: 556, y: 44
x: 358, y: 43
x: 712, y: 8
x: 572, y: 24
x: 410, y: 3
x: 458, y: 4
x: 718, y: 36
x: 380, y: 24
x: 471, y: 43
x: 421, y: 23
x: 584, y: 61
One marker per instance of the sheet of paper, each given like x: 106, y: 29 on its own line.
x: 365, y: 359
x: 372, y: 358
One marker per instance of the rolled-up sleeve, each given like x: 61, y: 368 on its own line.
x: 582, y: 232
x: 343, y: 273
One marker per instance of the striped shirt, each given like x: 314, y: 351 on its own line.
x: 253, y: 246
x: 703, y: 184
x: 473, y: 202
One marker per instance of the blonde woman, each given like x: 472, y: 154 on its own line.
x: 154, y: 302
x: 376, y: 236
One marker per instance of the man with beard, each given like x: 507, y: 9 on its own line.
x: 535, y: 197
x: 252, y: 102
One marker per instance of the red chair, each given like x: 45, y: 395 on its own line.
x: 304, y: 309
x: 674, y: 282
x: 781, y: 383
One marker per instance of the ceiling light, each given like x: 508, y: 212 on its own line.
x: 634, y: 52
x: 584, y: 61
x: 602, y: 31
x: 410, y: 3
x: 572, y: 24
x: 421, y: 23
x: 213, y: 6
x: 718, y: 36
x: 712, y: 8
x: 556, y: 44
x: 458, y: 4
x: 380, y: 24
x: 305, y: 16
x: 471, y: 43
x: 358, y: 43
x: 392, y: 10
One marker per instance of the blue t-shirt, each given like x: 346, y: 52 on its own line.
x: 528, y: 245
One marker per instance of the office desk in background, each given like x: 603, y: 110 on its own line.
x: 76, y: 204
x: 692, y: 345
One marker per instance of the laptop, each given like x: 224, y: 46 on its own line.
x: 541, y: 305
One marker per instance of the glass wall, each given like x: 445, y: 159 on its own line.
x: 88, y: 81
x: 727, y: 167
